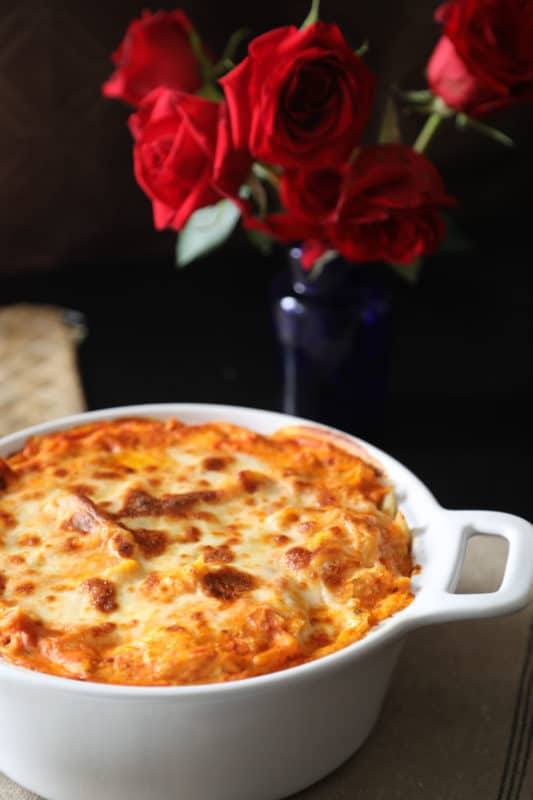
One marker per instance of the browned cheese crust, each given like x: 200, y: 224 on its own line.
x: 149, y: 552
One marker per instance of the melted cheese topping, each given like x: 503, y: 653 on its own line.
x: 145, y: 552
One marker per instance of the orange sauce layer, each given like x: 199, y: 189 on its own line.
x: 156, y: 553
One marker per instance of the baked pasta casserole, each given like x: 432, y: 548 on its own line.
x: 148, y: 552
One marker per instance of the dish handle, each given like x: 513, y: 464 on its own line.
x: 439, y: 603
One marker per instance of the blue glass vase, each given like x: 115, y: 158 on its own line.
x: 334, y: 334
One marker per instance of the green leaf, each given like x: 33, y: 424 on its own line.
x: 205, y: 230
x: 417, y: 97
x: 390, y: 128
x: 409, y: 272
x: 363, y: 49
x: 261, y: 241
x: 463, y: 121
x: 312, y: 17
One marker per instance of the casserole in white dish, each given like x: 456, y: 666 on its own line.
x: 261, y: 738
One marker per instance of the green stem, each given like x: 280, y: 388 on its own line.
x: 211, y: 92
x: 431, y: 126
x: 266, y: 173
x: 234, y: 41
x: 312, y: 17
x: 206, y: 67
x: 258, y: 192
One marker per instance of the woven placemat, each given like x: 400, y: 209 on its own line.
x: 11, y: 791
x: 38, y: 372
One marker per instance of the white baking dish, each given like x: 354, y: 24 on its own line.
x: 258, y: 739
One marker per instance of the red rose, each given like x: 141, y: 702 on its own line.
x: 182, y: 155
x: 301, y: 97
x: 389, y: 207
x: 311, y: 195
x: 484, y: 59
x: 385, y: 206
x: 308, y: 199
x: 449, y: 78
x: 156, y: 51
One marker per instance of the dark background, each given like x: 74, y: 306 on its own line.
x: 76, y: 231
x: 459, y: 405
